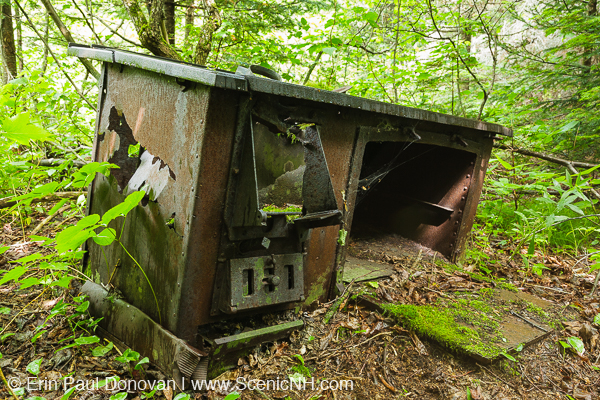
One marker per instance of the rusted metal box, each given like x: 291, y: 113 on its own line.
x: 217, y: 151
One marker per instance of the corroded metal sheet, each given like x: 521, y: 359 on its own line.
x: 263, y: 281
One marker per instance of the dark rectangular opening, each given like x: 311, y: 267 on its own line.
x: 414, y: 191
x: 248, y: 281
x: 290, y: 275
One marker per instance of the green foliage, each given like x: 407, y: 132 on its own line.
x: 101, y: 351
x: 573, y: 343
x: 301, y: 368
x: 34, y: 367
x: 128, y: 356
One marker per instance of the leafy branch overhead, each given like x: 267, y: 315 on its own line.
x: 152, y: 31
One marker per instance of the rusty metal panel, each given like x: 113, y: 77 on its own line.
x: 263, y: 281
x: 128, y: 116
x: 207, y: 218
x: 291, y: 90
x: 475, y: 189
x: 337, y: 137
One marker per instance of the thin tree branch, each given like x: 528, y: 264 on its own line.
x: 5, y: 203
x: 55, y: 58
x: 87, y: 22
x: 114, y: 32
x: 66, y: 34
x: 546, y: 157
x: 312, y: 67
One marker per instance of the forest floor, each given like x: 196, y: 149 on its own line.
x: 383, y: 359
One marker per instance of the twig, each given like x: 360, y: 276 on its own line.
x: 338, y: 302
x: 117, y: 33
x: 51, y: 197
x: 546, y: 157
x: 371, y: 338
x: 497, y: 377
x: 387, y: 385
x: 48, y: 219
x: 311, y: 68
x: 595, y: 286
x: 529, y: 322
x: 21, y: 310
x: 87, y: 22
x: 549, y: 288
x: 417, y: 259
x: 54, y: 162
x: 56, y: 59
x: 7, y: 385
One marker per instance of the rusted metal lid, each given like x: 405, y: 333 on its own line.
x: 232, y: 81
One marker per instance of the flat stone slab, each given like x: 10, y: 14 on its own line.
x: 361, y: 270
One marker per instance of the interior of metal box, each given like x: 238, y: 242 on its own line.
x: 414, y: 191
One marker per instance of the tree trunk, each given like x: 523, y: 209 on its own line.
x: 8, y: 41
x: 189, y: 20
x: 169, y: 12
x: 46, y: 33
x: 151, y: 32
x: 213, y: 22
x: 592, y: 10
x: 19, y: 39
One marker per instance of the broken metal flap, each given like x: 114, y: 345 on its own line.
x: 246, y: 211
x: 317, y: 189
x: 227, y: 350
x: 319, y: 201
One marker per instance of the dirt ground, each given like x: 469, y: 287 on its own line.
x: 359, y: 352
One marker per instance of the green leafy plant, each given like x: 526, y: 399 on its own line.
x: 301, y: 368
x: 573, y: 343
x: 34, y: 366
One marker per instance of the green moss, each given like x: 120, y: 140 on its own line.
x: 459, y: 325
x: 289, y: 218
